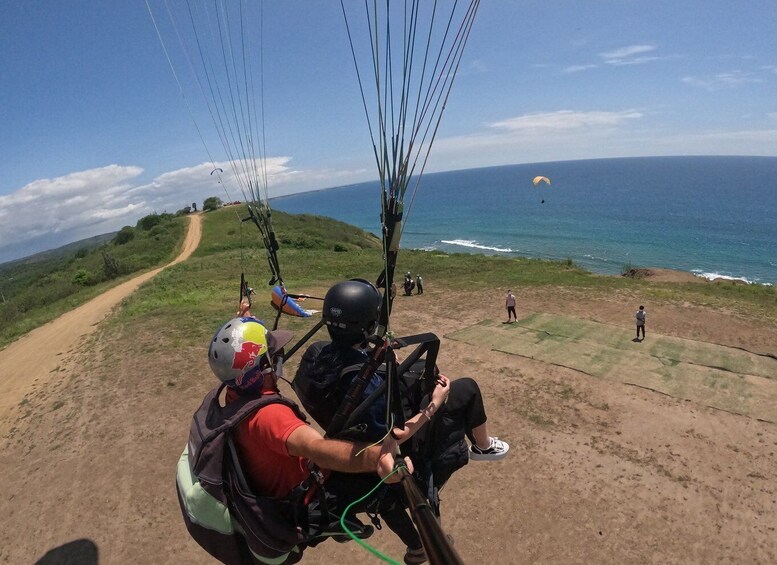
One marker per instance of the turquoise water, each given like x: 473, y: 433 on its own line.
x: 713, y: 216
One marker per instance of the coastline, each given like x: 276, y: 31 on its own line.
x: 665, y: 275
x: 655, y: 274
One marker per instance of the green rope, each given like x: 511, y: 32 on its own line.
x: 353, y: 536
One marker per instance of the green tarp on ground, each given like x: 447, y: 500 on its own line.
x: 722, y: 377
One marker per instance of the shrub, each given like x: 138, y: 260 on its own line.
x: 211, y: 203
x: 81, y: 253
x: 125, y: 235
x: 110, y: 266
x: 81, y: 277
x: 147, y: 222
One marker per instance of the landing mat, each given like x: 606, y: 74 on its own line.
x: 714, y: 375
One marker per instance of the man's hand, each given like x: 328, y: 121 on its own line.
x: 387, y: 459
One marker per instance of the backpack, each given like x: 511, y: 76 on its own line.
x: 319, y: 386
x: 221, y: 512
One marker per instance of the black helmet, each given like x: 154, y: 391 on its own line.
x: 351, y: 309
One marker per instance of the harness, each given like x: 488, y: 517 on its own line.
x: 221, y: 511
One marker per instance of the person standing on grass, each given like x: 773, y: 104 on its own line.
x: 419, y: 284
x: 641, y: 316
x: 510, y: 305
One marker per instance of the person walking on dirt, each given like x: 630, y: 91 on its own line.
x: 510, y: 305
x: 641, y: 316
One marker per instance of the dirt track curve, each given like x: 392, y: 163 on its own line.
x: 34, y: 356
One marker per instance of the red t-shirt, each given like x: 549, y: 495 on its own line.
x: 261, y: 443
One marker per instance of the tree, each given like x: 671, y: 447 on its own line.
x: 125, y: 234
x: 147, y: 222
x: 110, y: 266
x: 211, y: 203
x: 81, y: 277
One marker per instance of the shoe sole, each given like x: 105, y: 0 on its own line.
x: 488, y: 456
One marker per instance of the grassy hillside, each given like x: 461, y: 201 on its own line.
x: 194, y: 297
x: 41, y: 288
x: 315, y: 252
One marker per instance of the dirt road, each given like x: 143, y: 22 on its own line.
x: 36, y: 356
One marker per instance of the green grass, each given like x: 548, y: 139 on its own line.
x: 712, y: 375
x: 315, y: 252
x: 38, y: 291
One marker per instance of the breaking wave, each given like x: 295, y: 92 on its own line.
x: 475, y: 245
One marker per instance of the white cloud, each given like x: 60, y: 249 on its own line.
x: 477, y: 66
x: 47, y: 213
x: 720, y: 81
x: 63, y: 208
x: 742, y: 142
x: 626, y: 52
x: 633, y: 61
x: 578, y: 68
x: 543, y: 136
x: 569, y: 135
x: 626, y: 55
x: 566, y: 120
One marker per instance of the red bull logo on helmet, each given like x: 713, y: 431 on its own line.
x: 246, y: 357
x: 249, y: 343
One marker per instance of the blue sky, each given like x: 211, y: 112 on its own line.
x: 95, y: 133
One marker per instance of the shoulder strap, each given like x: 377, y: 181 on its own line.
x: 212, y: 423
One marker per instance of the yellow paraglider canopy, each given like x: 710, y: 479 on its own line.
x: 538, y: 180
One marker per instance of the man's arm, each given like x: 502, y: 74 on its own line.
x: 339, y: 455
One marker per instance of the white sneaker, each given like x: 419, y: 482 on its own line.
x: 496, y: 451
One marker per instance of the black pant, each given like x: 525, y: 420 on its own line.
x: 511, y: 310
x: 455, y: 420
x: 463, y: 411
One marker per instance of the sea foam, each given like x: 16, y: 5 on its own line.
x: 475, y: 245
x: 714, y: 276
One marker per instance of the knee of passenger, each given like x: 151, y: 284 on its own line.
x: 465, y: 386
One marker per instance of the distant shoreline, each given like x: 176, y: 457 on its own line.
x: 664, y: 275
x: 679, y: 276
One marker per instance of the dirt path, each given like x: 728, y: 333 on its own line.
x: 36, y: 356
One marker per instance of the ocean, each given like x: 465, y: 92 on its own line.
x: 712, y: 216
